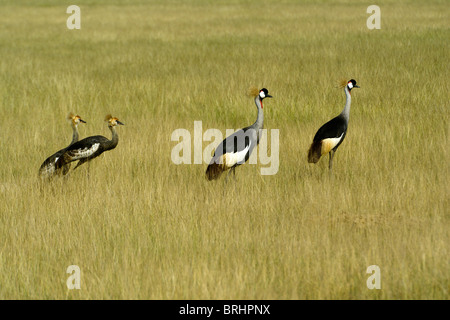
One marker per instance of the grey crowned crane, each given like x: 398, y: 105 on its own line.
x: 48, y: 169
x: 91, y: 147
x: 330, y: 136
x: 236, y: 148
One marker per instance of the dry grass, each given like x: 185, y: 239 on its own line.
x: 141, y: 227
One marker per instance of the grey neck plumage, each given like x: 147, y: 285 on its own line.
x: 346, y: 112
x: 74, y: 134
x: 259, y: 123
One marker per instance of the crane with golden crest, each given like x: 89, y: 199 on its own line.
x: 330, y: 136
x: 237, y: 148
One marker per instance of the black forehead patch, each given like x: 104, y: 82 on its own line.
x: 265, y: 91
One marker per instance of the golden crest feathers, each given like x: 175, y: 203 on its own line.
x: 108, y: 117
x: 342, y: 83
x: 253, y: 92
x: 70, y: 116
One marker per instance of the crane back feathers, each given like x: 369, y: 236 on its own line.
x: 77, y: 154
x: 72, y: 155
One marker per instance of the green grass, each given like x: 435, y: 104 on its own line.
x: 140, y: 227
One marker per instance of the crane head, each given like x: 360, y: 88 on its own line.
x: 350, y: 84
x: 75, y: 119
x: 263, y: 93
x: 113, y: 121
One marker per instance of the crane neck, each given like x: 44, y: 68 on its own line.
x: 114, y: 140
x: 259, y: 123
x: 75, y: 135
x: 346, y: 112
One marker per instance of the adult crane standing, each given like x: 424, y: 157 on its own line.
x: 47, y: 169
x: 330, y: 136
x: 91, y: 147
x: 237, y: 148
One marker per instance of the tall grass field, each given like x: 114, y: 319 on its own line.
x: 140, y: 226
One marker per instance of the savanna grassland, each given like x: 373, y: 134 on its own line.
x: 141, y: 227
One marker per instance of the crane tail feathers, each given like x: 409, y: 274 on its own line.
x: 214, y: 171
x: 315, y: 152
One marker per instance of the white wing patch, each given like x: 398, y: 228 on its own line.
x: 231, y: 158
x: 329, y: 144
x: 84, y: 153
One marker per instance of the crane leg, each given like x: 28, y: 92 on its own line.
x: 330, y: 164
x: 79, y: 163
x: 229, y: 173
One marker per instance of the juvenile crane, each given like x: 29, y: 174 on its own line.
x: 330, y: 136
x: 91, y: 147
x: 236, y: 148
x: 47, y: 169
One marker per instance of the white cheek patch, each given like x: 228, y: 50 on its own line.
x: 86, y: 152
x: 262, y: 95
x: 350, y: 85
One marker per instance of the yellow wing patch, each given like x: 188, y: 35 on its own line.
x: 329, y: 144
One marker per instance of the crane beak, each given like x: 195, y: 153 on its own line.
x: 269, y: 96
x: 355, y: 86
x: 118, y: 122
x: 82, y: 121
